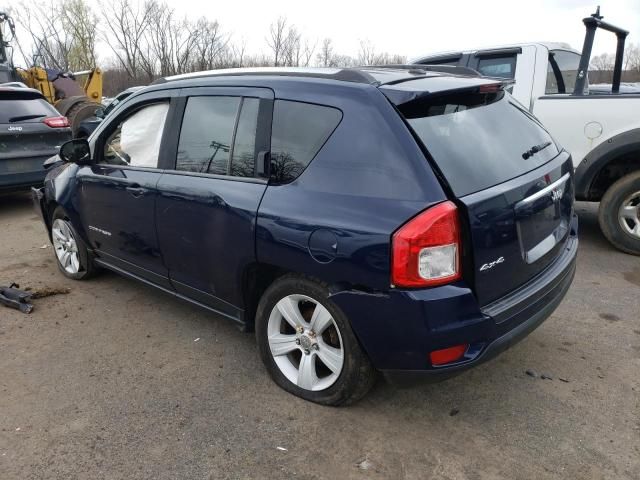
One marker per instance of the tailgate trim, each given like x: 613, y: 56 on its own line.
x: 545, y: 191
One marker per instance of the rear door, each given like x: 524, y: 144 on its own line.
x: 510, y: 179
x: 26, y: 141
x: 208, y: 200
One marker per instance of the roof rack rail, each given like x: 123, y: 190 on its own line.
x: 453, y: 69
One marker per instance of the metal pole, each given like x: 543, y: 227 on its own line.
x: 617, y: 69
x: 583, y: 68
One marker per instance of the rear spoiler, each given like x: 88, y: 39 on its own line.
x: 422, y: 88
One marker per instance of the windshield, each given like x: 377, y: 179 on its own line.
x: 479, y: 140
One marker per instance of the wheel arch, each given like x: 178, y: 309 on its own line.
x: 607, y: 163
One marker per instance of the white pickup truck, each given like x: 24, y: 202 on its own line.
x: 602, y: 131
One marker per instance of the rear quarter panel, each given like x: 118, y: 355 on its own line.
x: 368, y: 179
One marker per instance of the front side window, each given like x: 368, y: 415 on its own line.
x: 136, y: 140
x: 500, y: 67
x: 562, y: 71
x: 299, y: 131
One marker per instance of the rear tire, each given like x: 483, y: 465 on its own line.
x: 619, y: 214
x: 72, y: 256
x: 340, y: 372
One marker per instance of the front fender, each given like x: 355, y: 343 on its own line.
x: 600, y: 156
x: 60, y: 190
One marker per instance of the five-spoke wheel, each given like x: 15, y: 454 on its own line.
x: 307, y: 344
x: 65, y: 246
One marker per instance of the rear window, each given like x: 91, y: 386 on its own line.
x: 299, y: 131
x: 33, y: 110
x: 562, y: 71
x: 479, y: 140
x: 501, y: 67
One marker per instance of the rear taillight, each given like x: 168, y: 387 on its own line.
x: 426, y: 250
x: 56, y: 122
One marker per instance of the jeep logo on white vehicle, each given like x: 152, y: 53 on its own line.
x: 490, y: 265
x: 14, y: 129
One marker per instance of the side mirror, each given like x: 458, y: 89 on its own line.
x: 76, y: 151
x: 99, y: 112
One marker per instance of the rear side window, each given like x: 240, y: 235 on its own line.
x: 479, y: 140
x: 501, y: 67
x: 299, y: 131
x: 15, y: 111
x: 562, y: 71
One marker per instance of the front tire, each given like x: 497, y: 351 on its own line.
x: 619, y: 214
x: 308, y: 346
x: 72, y: 257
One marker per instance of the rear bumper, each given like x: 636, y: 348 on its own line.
x: 18, y: 174
x: 429, y: 320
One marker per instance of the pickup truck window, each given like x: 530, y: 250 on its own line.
x: 501, y: 67
x: 561, y: 71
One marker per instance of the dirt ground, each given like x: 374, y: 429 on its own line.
x: 115, y: 380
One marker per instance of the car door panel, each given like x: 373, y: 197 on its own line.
x: 118, y: 201
x: 206, y: 222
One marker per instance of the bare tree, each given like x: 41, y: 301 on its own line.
x: 51, y: 42
x: 277, y: 39
x: 325, y: 55
x: 127, y: 22
x: 79, y: 21
x: 209, y: 45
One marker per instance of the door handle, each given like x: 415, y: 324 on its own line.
x: 136, y: 190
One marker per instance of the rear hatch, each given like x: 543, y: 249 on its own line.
x: 25, y: 139
x: 512, y: 183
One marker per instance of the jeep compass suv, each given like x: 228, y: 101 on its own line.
x: 403, y: 221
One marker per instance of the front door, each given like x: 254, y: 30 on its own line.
x: 119, y: 191
x: 207, y: 205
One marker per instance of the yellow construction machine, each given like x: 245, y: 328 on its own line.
x: 75, y: 95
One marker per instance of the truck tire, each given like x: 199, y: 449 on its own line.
x: 619, y: 214
x: 77, y: 109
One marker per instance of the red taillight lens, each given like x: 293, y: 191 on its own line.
x: 448, y: 355
x: 426, y: 250
x: 56, y: 122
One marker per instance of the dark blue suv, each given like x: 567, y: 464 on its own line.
x: 405, y: 221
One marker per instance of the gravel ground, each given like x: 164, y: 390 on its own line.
x: 115, y: 380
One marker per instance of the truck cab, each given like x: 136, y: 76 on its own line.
x: 602, y: 131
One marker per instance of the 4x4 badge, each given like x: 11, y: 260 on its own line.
x: 490, y: 265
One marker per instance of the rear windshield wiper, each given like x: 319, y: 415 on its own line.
x: 24, y: 117
x: 535, y: 149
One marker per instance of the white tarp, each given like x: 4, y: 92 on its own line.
x: 141, y: 133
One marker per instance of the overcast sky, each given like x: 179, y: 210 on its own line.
x: 413, y: 28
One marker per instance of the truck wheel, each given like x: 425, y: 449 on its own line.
x: 307, y: 344
x: 619, y: 214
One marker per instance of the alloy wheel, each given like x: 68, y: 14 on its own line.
x: 305, y: 342
x: 65, y: 246
x: 629, y: 215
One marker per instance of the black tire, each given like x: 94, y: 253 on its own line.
x: 87, y: 267
x: 357, y: 375
x: 608, y: 213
